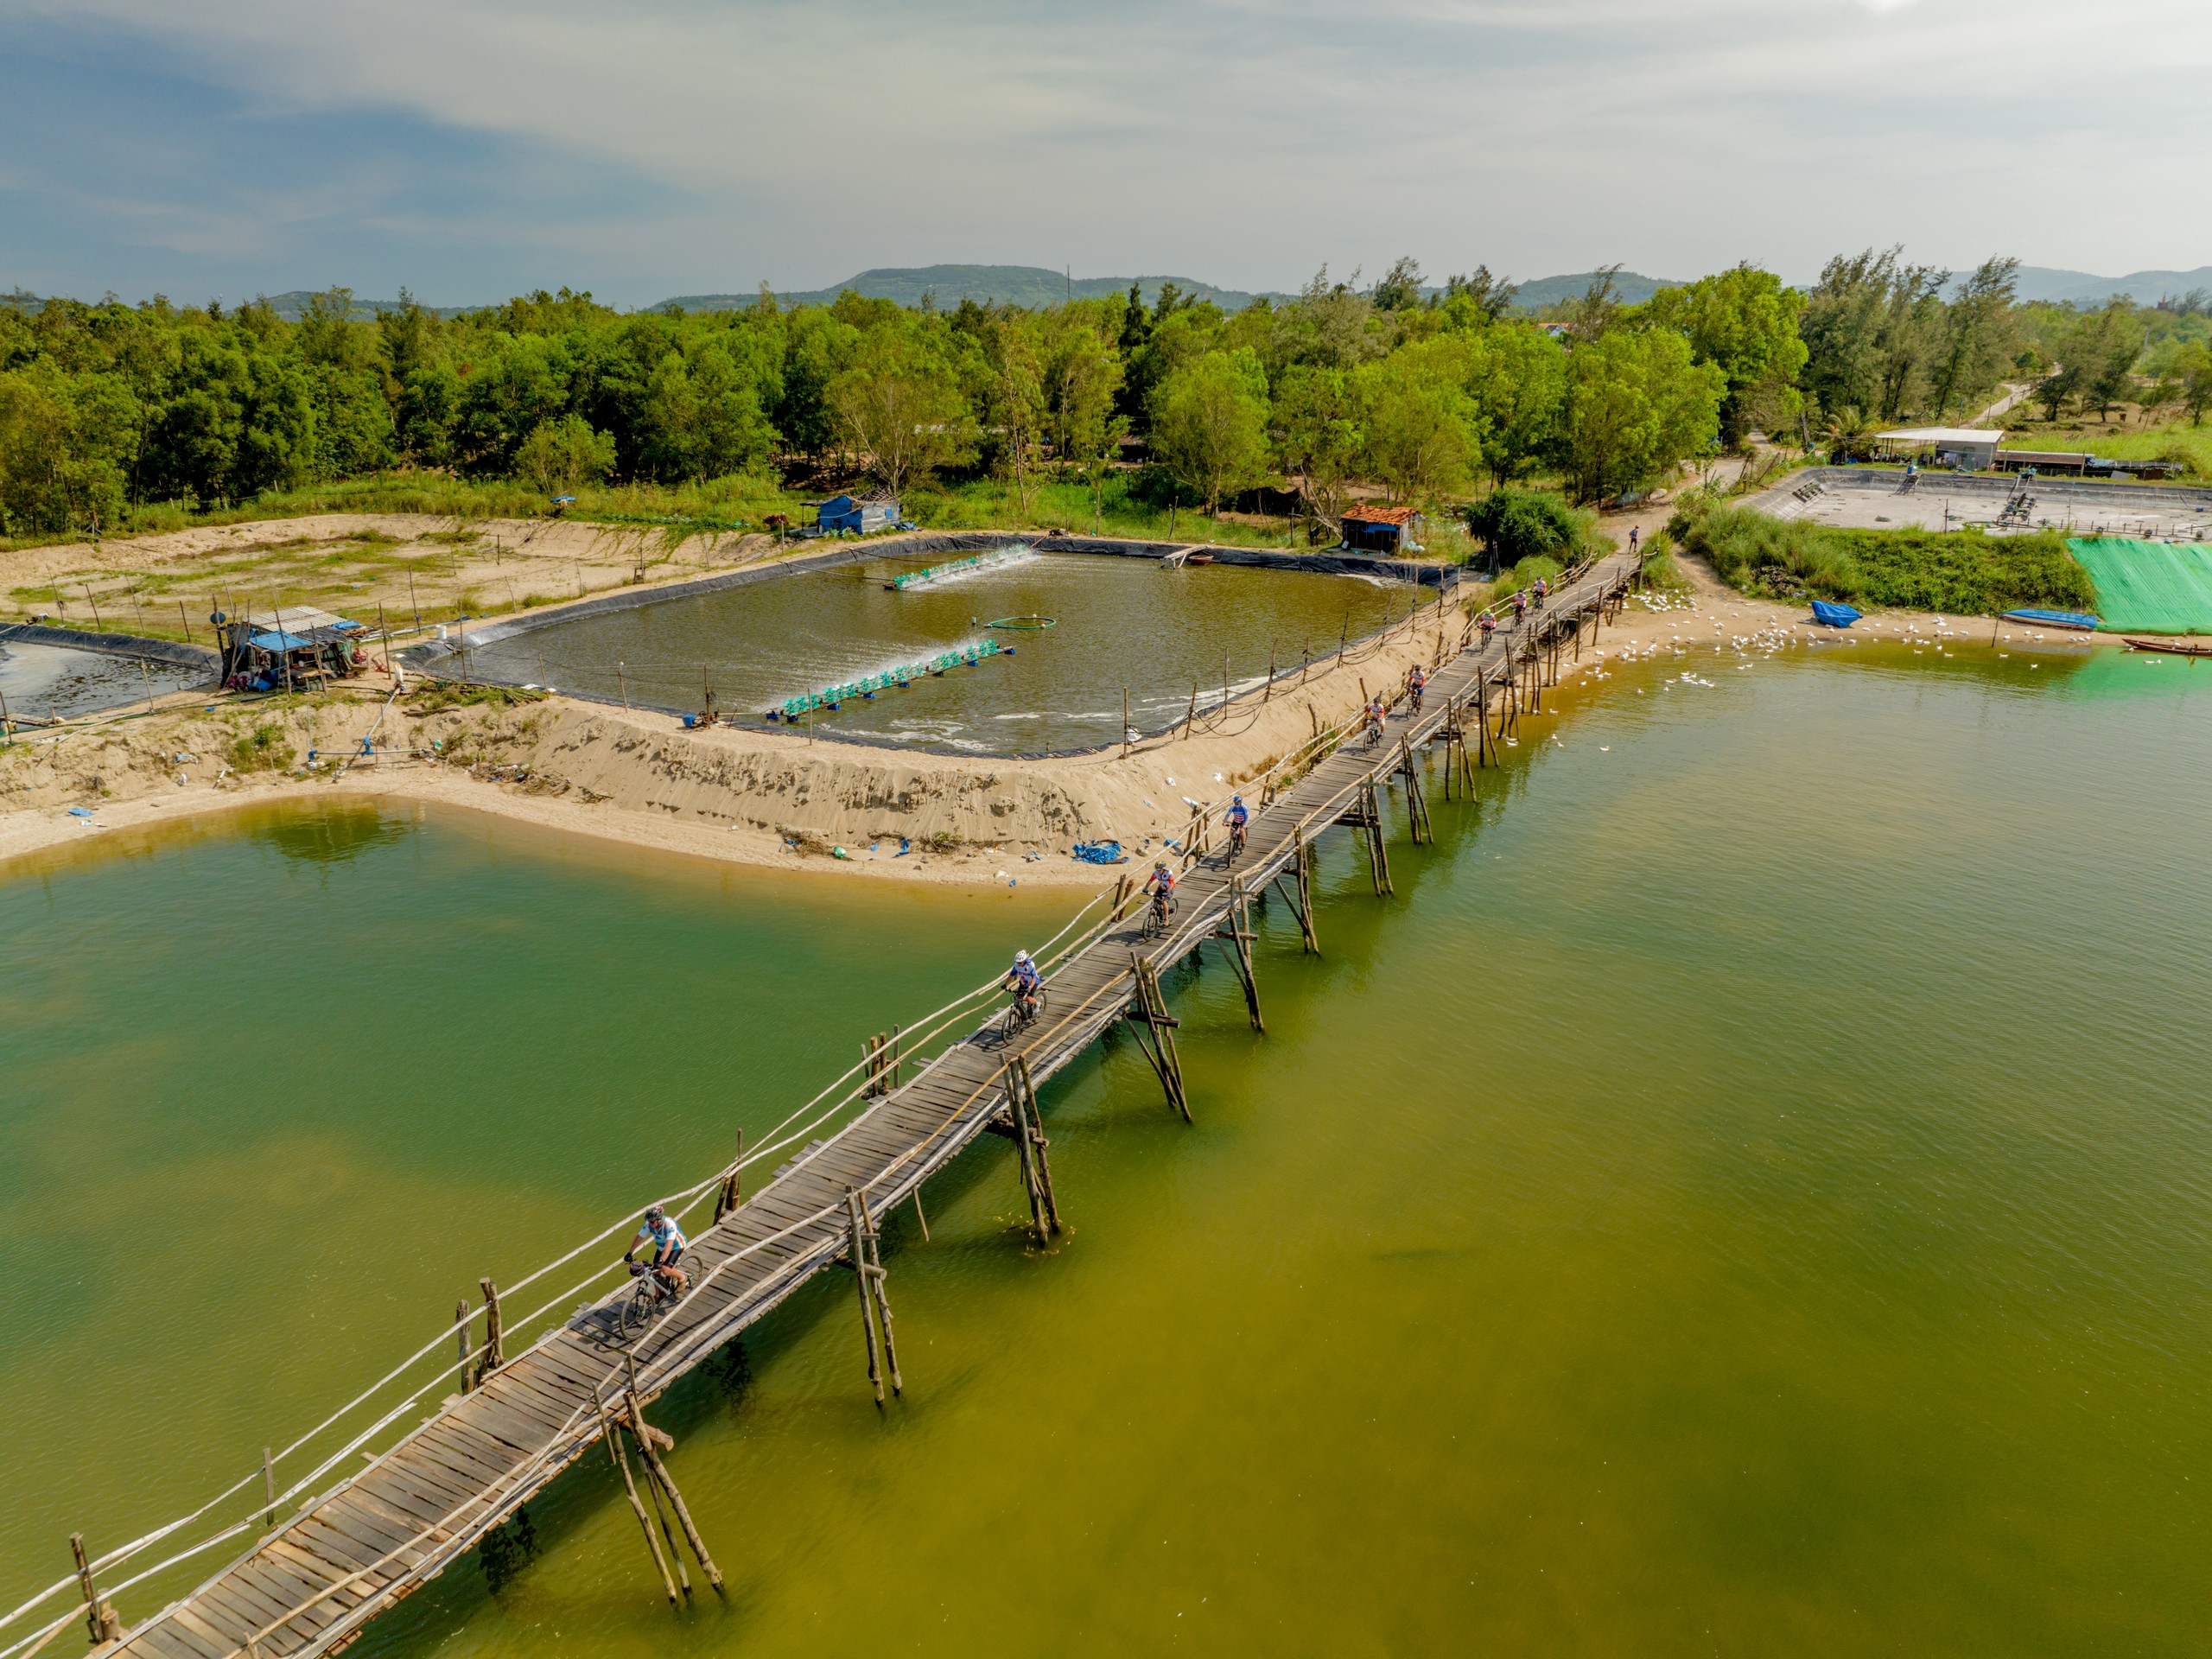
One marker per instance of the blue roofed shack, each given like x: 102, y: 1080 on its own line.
x: 866, y: 514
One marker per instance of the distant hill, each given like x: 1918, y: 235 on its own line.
x: 293, y: 305
x: 1634, y: 289
x: 1023, y: 285
x: 2078, y: 287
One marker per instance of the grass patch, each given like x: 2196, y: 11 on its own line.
x: 265, y: 748
x: 1961, y: 571
x: 985, y: 504
x: 441, y: 695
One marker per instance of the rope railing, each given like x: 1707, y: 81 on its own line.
x: 1056, y: 949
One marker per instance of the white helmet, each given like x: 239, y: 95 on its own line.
x: 1021, y: 956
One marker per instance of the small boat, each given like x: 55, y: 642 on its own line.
x: 2172, y: 647
x: 1834, y: 616
x: 2081, y: 621
x: 1199, y: 558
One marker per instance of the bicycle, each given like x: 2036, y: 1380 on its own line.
x: 1237, y: 836
x: 1020, y: 1014
x: 650, y: 1296
x: 1374, y: 735
x: 1155, y: 920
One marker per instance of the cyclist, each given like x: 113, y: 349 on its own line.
x: 1416, y: 683
x: 668, y: 1243
x: 1022, y: 981
x: 1488, y: 623
x: 1543, y: 588
x: 1236, y: 818
x: 1161, y: 884
x: 1520, y: 608
x: 1371, y: 719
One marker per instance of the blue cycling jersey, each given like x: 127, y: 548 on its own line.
x: 666, y: 1236
x: 1026, y: 976
x: 1238, y: 815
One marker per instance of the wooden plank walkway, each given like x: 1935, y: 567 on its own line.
x: 311, y: 1585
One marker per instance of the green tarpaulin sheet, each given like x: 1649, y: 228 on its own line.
x: 2149, y: 587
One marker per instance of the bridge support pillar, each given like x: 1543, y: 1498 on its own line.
x: 1301, y: 903
x: 875, y: 1307
x: 1156, y: 1035
x: 645, y: 1434
x: 1416, y: 797
x: 612, y: 1434
x: 1236, y: 928
x: 1029, y: 1140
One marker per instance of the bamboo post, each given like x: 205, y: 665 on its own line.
x: 1125, y: 720
x: 1025, y: 1144
x: 1037, y: 1136
x: 269, y: 1485
x: 607, y: 1433
x: 731, y: 1196
x: 1305, y: 893
x: 658, y: 1470
x: 921, y: 1220
x: 100, y: 1619
x: 877, y: 1275
x: 1238, y: 925
x: 460, y: 1338
x: 867, y: 1302
x: 653, y: 1493
x: 1380, y: 854
x: 1191, y: 716
x: 493, y: 1358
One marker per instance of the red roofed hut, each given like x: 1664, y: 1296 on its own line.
x: 1387, y: 530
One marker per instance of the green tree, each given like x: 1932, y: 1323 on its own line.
x: 560, y: 455
x: 1976, y: 339
x: 1209, y: 423
x: 1744, y: 322
x: 1637, y: 404
x: 900, y: 404
x: 1515, y: 377
x: 1323, y: 434
x: 1422, y: 428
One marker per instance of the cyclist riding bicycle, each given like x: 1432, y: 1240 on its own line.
x: 668, y: 1243
x: 1416, y: 683
x: 1161, y: 885
x: 1022, y: 981
x: 1520, y: 608
x: 1488, y: 623
x: 1236, y: 818
x: 1543, y: 589
x: 1371, y: 719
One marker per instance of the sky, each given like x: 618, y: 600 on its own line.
x: 473, y: 149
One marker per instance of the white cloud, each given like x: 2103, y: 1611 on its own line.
x: 1245, y: 141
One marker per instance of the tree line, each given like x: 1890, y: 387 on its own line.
x: 1424, y: 393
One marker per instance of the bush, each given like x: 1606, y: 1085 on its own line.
x: 1961, y: 571
x: 1514, y: 526
x: 265, y: 748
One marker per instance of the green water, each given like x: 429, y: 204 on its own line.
x: 1746, y: 1193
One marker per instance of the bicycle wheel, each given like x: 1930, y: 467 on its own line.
x: 635, y: 1312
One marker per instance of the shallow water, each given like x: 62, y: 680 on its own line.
x: 1120, y: 624
x: 1747, y: 1193
x: 53, y: 682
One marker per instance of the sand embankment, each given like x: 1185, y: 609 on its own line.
x: 773, y: 797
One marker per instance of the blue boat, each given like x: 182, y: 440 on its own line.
x: 2080, y: 621
x: 1834, y: 616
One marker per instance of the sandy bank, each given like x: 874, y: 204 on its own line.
x: 774, y: 798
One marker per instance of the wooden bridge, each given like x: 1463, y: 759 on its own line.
x: 311, y: 1583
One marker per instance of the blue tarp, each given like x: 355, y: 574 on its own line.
x: 280, y: 642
